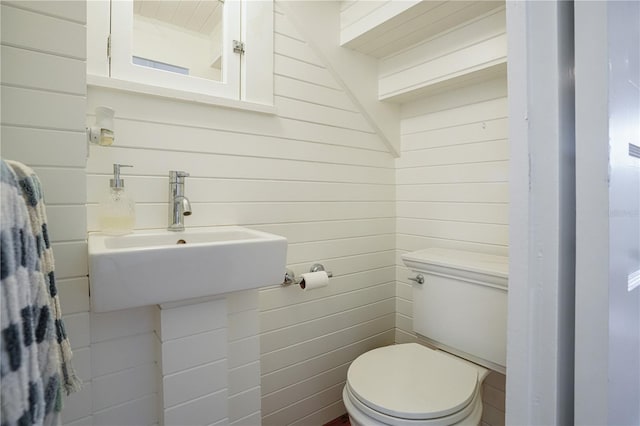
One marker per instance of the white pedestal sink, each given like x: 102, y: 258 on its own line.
x: 199, y: 268
x: 159, y: 266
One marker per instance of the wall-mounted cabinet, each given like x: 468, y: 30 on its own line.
x: 208, y: 49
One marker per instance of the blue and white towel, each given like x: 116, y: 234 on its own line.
x: 35, y: 360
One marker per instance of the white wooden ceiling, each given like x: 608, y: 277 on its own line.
x: 373, y: 32
x: 195, y: 15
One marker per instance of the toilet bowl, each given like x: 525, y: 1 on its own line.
x: 459, y: 307
x: 410, y: 384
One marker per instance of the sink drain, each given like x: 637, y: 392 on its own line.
x: 181, y: 242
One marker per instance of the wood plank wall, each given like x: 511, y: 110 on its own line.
x: 43, y: 96
x: 316, y: 173
x: 452, y: 191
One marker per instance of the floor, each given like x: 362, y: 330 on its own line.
x: 343, y: 420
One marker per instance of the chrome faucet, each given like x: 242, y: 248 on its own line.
x: 179, y: 205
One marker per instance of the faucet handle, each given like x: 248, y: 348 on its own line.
x: 182, y: 174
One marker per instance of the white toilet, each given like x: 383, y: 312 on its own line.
x: 460, y: 309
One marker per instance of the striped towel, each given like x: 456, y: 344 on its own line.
x: 35, y: 352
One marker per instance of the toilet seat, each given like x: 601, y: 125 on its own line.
x: 412, y: 384
x: 361, y: 415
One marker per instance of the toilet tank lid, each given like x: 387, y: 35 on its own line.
x: 497, y: 266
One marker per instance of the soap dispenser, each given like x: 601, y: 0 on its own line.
x: 117, y: 210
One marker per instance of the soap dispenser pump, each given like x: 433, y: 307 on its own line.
x: 117, y: 210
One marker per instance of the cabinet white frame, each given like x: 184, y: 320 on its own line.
x: 247, y: 78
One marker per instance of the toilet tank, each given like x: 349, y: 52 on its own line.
x: 462, y: 305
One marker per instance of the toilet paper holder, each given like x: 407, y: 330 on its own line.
x: 290, y: 276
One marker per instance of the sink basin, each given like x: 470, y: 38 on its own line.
x: 159, y: 266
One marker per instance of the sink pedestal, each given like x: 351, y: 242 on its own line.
x: 205, y: 350
x: 193, y: 363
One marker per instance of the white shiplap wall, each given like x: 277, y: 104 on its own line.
x: 43, y: 106
x: 452, y: 191
x: 316, y: 173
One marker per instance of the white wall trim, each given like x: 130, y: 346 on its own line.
x: 181, y: 95
x: 542, y: 213
x: 592, y: 169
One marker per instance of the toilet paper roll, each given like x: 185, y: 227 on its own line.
x: 313, y: 280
